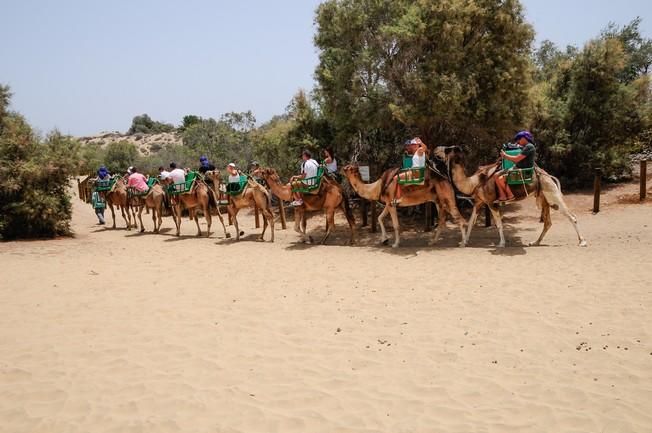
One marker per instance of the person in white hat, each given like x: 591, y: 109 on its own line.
x: 234, y: 177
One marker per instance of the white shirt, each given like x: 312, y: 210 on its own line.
x: 177, y: 175
x: 418, y: 161
x: 310, y: 168
x: 234, y: 178
x: 164, y: 175
x: 332, y: 166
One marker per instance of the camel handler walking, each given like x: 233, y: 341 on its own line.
x: 309, y: 168
x: 525, y: 141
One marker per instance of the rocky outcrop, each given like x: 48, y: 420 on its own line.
x: 147, y: 144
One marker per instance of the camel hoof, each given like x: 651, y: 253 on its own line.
x: 533, y: 244
x: 260, y: 239
x: 395, y: 245
x: 228, y: 235
x: 583, y: 243
x: 500, y: 246
x: 311, y: 240
x: 462, y: 244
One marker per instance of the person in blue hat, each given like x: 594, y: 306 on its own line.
x: 205, y: 165
x: 525, y: 142
x: 97, y: 198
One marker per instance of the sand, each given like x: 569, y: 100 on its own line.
x: 114, y: 331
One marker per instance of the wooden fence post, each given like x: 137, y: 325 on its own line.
x: 281, y: 211
x: 596, y: 190
x: 643, y: 179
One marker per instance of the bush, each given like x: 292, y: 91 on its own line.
x: 145, y: 125
x: 34, y: 179
x: 120, y: 155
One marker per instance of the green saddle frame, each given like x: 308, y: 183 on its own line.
x: 236, y: 188
x: 407, y: 167
x: 104, y: 185
x: 182, y: 188
x: 309, y: 184
x: 516, y: 176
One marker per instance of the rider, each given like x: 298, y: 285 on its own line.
x: 205, y: 165
x: 329, y: 160
x: 417, y: 149
x: 234, y: 177
x: 178, y: 175
x: 525, y: 142
x: 137, y: 180
x: 309, y: 168
x: 97, y: 198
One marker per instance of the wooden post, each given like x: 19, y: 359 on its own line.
x: 256, y: 216
x: 487, y: 216
x: 643, y: 179
x: 79, y: 191
x: 428, y: 216
x: 281, y: 211
x: 365, y: 210
x: 374, y: 218
x: 596, y: 190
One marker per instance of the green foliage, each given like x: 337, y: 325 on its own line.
x: 145, y: 125
x: 34, y: 178
x: 450, y: 71
x: 222, y: 141
x: 120, y: 155
x: 593, y: 106
x: 189, y: 120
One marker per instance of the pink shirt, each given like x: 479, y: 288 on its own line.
x: 138, y: 181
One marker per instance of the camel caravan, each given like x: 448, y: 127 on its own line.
x: 425, y: 176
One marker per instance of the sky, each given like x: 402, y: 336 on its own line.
x: 85, y: 66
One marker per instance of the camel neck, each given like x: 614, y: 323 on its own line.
x: 369, y: 191
x: 464, y: 183
x: 284, y: 192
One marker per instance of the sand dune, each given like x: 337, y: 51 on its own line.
x: 120, y: 332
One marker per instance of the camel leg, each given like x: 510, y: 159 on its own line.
x: 219, y: 215
x: 397, y: 237
x: 159, y: 212
x: 126, y: 218
x: 270, y: 216
x: 154, y: 220
x: 140, y: 218
x: 499, y: 223
x: 176, y: 214
x: 233, y: 211
x: 472, y: 220
x: 196, y: 218
x: 547, y: 223
x: 209, y: 220
x: 441, y: 222
x: 556, y: 200
x: 381, y: 217
x: 330, y: 223
x: 112, y: 214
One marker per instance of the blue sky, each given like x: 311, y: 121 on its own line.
x: 86, y: 66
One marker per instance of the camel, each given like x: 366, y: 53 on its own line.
x: 118, y: 196
x: 436, y: 189
x: 152, y: 200
x: 329, y: 198
x: 198, y: 198
x: 253, y: 194
x: 482, y: 187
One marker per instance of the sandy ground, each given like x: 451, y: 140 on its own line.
x: 115, y: 331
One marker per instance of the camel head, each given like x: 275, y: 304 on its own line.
x: 214, y: 176
x: 351, y: 170
x: 269, y: 174
x: 449, y: 154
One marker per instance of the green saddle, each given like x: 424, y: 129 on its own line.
x: 182, y: 188
x: 309, y: 184
x: 236, y: 188
x: 151, y: 182
x: 418, y: 173
x: 104, y: 185
x: 516, y: 176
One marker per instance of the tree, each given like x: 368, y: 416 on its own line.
x: 143, y: 124
x: 34, y: 177
x: 453, y: 71
x: 120, y: 155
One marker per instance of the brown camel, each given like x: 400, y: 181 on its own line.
x: 153, y: 200
x: 329, y: 198
x: 436, y: 189
x: 117, y: 196
x: 197, y: 198
x: 253, y: 195
x: 482, y: 187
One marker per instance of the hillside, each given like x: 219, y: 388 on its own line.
x: 147, y: 144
